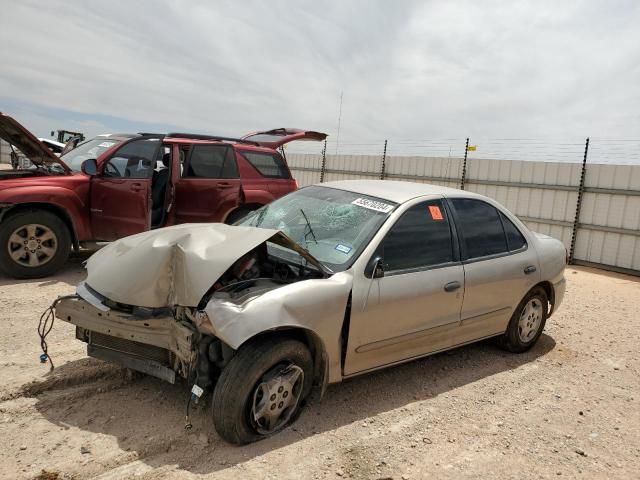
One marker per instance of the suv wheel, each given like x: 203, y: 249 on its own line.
x: 33, y: 244
x: 261, y: 390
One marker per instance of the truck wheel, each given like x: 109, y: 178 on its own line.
x: 527, y: 322
x: 33, y: 244
x: 261, y: 389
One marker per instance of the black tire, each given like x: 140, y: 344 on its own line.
x: 234, y: 391
x: 512, y: 340
x: 59, y: 245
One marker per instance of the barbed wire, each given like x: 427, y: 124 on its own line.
x: 601, y: 149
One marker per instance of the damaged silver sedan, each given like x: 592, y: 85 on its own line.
x: 326, y: 283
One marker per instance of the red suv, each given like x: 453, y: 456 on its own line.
x: 117, y: 185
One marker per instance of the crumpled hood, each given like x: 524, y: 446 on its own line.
x: 174, y: 265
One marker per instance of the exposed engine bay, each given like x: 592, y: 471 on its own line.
x: 264, y: 268
x: 174, y: 340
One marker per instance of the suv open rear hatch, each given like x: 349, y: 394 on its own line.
x: 279, y: 136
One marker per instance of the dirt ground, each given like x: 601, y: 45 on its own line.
x: 569, y: 407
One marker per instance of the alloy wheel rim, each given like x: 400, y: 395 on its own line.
x: 276, y: 398
x: 32, y: 245
x: 530, y: 320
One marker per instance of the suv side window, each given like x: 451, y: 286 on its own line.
x: 135, y: 159
x: 211, y: 161
x: 515, y: 239
x: 481, y: 227
x: 420, y: 238
x: 268, y: 164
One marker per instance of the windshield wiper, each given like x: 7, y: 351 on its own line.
x: 309, y: 227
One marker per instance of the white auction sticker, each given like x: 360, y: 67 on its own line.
x: 107, y: 144
x: 373, y: 205
x: 197, y: 390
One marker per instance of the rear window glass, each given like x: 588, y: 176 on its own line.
x: 268, y: 164
x: 515, y: 239
x: 212, y: 161
x: 481, y: 227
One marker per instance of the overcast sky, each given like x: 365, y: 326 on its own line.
x: 408, y: 70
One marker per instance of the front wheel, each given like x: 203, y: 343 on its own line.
x: 527, y: 322
x: 261, y: 390
x: 33, y: 244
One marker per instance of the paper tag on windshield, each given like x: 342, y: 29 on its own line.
x: 107, y: 144
x: 373, y: 205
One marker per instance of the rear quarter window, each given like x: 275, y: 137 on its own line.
x: 269, y: 165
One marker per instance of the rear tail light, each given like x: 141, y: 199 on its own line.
x: 295, y: 184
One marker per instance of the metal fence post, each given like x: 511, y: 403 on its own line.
x: 576, y: 220
x: 384, y: 161
x: 464, y: 165
x: 324, y: 161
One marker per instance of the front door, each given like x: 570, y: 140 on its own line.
x: 121, y: 192
x: 210, y: 185
x: 416, y: 304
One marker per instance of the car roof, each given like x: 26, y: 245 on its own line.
x: 395, y: 191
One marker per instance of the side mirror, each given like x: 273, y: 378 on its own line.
x: 375, y: 268
x: 89, y: 167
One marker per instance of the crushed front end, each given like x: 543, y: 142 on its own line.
x: 163, y: 343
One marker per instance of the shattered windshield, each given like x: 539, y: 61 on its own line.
x: 333, y: 225
x: 90, y: 149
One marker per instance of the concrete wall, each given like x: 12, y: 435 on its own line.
x: 542, y: 194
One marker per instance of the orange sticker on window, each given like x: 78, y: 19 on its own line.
x: 435, y: 212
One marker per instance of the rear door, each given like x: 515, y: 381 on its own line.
x: 210, y: 185
x: 121, y: 192
x: 279, y: 136
x: 499, y: 266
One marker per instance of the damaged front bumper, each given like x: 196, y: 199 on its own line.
x: 159, y: 346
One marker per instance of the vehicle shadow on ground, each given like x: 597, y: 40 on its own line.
x: 72, y: 273
x: 146, y: 415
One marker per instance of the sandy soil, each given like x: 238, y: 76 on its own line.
x: 569, y: 407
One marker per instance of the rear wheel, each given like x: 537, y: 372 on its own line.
x: 261, y: 390
x: 527, y: 322
x: 33, y: 244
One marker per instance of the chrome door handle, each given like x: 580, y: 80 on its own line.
x: 452, y: 286
x: 529, y: 269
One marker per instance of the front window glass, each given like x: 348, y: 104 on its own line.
x: 333, y: 225
x: 90, y: 149
x: 136, y: 159
x: 420, y: 238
